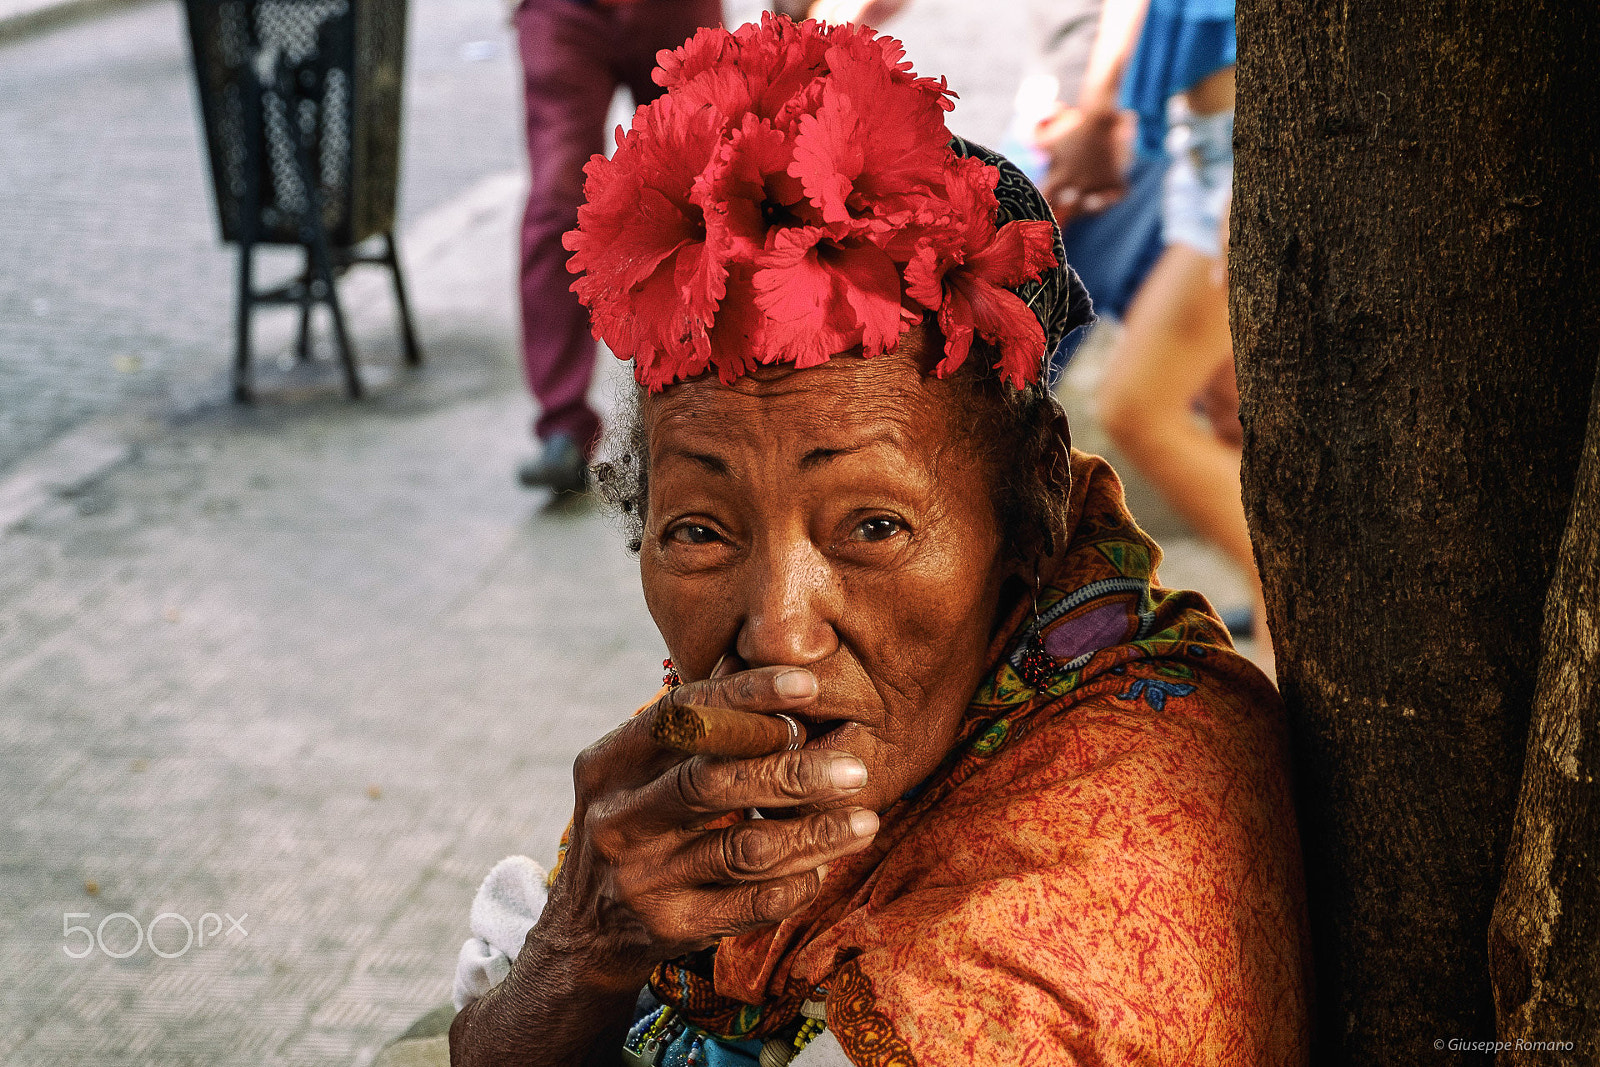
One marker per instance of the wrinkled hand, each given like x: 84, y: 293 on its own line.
x: 645, y: 880
x: 1089, y: 157
x: 860, y: 12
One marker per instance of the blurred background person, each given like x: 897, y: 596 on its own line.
x: 574, y: 55
x: 1106, y: 197
x: 1174, y: 361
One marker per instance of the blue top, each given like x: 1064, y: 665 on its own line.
x: 1183, y: 43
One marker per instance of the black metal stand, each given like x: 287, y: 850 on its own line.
x: 317, y: 286
x: 296, y: 89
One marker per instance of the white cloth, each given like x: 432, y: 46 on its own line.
x: 507, y: 905
x: 823, y: 1051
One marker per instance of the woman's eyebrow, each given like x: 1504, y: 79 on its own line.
x: 818, y: 456
x: 711, y: 463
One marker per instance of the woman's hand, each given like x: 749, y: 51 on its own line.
x: 646, y: 880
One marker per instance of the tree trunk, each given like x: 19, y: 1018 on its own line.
x: 1545, y: 943
x: 1414, y: 268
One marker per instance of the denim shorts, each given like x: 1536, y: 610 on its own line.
x: 1199, y: 181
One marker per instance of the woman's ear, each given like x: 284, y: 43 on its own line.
x: 1060, y: 463
x: 1057, y: 467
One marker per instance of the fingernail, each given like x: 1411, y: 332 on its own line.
x: 863, y: 823
x: 847, y: 773
x: 795, y: 683
x: 822, y: 873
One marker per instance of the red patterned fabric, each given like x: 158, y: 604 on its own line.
x: 1105, y: 871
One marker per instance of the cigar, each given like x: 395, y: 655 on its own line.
x: 699, y: 730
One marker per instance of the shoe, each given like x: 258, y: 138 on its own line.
x: 560, y: 465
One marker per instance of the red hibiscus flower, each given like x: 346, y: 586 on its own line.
x: 823, y: 296
x: 873, y: 144
x: 963, y: 272
x: 649, y: 275
x: 793, y: 196
x: 747, y: 193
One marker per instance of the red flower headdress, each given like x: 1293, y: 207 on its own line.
x: 792, y: 196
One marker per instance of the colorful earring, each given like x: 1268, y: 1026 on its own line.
x: 670, y: 679
x: 1034, y: 665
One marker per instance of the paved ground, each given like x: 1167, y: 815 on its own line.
x: 312, y: 666
x: 314, y: 663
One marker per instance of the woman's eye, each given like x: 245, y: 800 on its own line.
x: 693, y: 534
x: 876, y: 529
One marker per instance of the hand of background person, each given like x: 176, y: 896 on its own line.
x: 860, y: 12
x: 1089, y: 155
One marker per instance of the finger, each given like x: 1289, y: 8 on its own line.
x: 759, y: 850
x: 752, y: 905
x: 694, y: 789
x: 697, y: 730
x: 758, y: 689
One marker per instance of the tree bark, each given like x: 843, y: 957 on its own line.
x: 1544, y: 945
x: 1414, y: 305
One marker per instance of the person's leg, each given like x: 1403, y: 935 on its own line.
x: 568, y: 84
x: 1175, y: 340
x: 646, y: 28
x: 1175, y: 348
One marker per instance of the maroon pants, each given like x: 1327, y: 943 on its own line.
x: 574, y: 55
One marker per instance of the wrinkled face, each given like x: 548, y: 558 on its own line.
x: 831, y: 518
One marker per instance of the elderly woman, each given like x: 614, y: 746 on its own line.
x: 940, y: 775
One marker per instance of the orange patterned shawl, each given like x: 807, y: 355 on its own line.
x: 1105, y: 871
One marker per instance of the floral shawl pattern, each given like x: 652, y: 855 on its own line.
x: 1104, y: 871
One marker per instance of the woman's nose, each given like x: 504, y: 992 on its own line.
x: 790, y: 612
